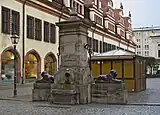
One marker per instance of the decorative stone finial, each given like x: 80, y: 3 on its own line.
x: 130, y: 14
x: 73, y: 12
x: 121, y: 6
x: 73, y: 15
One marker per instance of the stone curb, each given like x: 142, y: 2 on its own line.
x: 138, y: 104
x: 128, y: 104
x: 13, y: 99
x: 145, y: 104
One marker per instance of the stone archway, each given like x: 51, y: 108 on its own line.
x: 50, y: 63
x: 7, y: 65
x: 32, y: 65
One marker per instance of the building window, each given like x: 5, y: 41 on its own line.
x: 38, y: 29
x: 46, y: 31
x: 137, y: 34
x: 139, y: 46
x: 80, y: 9
x: 5, y: 20
x: 146, y: 47
x: 109, y: 47
x: 138, y: 40
x: 146, y: 53
x: 15, y: 22
x: 139, y: 53
x: 158, y: 53
x: 98, y: 19
x: 96, y: 45
x: 105, y: 47
x: 86, y: 12
x: 30, y: 27
x: 97, y: 4
x: 113, y: 47
x: 111, y: 27
x: 100, y: 46
x: 100, y: 4
x: 52, y: 33
x: 71, y: 3
x: 74, y: 4
x: 121, y: 33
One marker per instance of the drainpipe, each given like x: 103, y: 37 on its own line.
x: 23, y: 43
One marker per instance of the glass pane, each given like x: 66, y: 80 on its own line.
x: 31, y: 66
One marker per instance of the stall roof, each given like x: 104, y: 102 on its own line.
x: 114, y: 53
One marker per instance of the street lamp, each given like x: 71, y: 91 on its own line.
x: 14, y: 40
x: 90, y: 51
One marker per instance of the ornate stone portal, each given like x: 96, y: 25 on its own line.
x: 72, y: 84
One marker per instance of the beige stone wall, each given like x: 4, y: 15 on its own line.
x: 41, y: 47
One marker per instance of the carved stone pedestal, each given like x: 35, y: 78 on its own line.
x: 113, y: 93
x: 68, y: 97
x: 70, y: 94
x: 41, y: 91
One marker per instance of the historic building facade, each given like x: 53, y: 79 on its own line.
x: 148, y: 42
x: 34, y: 22
x: 144, y: 40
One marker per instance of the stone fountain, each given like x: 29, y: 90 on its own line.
x: 72, y: 84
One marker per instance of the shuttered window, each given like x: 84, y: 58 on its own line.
x: 5, y: 20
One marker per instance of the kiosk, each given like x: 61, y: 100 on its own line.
x: 130, y: 68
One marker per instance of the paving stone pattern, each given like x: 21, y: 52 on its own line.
x: 151, y: 95
x: 29, y: 108
x: 24, y: 107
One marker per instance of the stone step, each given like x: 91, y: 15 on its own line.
x: 99, y: 91
x: 99, y: 100
x: 98, y: 95
x: 106, y: 88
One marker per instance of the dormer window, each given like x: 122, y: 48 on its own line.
x: 74, y: 4
x: 97, y: 4
x: 98, y: 19
x: 100, y: 4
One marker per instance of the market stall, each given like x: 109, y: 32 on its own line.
x: 130, y: 67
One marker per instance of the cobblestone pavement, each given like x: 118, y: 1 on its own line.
x: 24, y: 92
x: 150, y: 95
x: 27, y: 108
